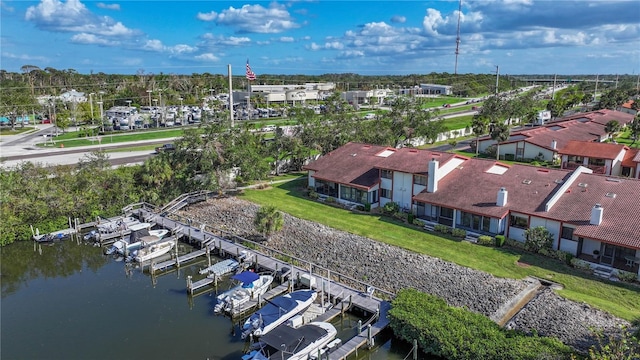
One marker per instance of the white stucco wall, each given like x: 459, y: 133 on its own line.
x: 402, y: 187
x: 588, y: 245
x: 551, y: 225
x: 516, y: 233
x: 616, y: 167
x: 312, y: 180
x: 569, y: 246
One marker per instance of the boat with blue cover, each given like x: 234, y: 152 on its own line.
x: 291, y: 343
x: 251, y: 285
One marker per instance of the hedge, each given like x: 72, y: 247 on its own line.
x: 456, y: 333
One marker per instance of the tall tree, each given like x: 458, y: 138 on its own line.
x: 480, y: 126
x: 612, y: 128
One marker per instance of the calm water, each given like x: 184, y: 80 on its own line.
x: 73, y: 302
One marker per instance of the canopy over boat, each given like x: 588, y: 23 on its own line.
x: 246, y: 278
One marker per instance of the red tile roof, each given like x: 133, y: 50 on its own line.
x: 412, y: 161
x: 631, y: 158
x: 358, y: 164
x: 352, y: 164
x: 472, y: 189
x: 621, y: 215
x: 592, y: 149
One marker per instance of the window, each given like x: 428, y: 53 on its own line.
x: 596, y: 162
x: 420, y: 180
x: 446, y: 213
x: 567, y: 232
x: 386, y: 174
x: 519, y: 222
x: 486, y: 223
x: 352, y: 194
x: 386, y: 193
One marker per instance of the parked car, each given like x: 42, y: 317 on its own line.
x: 164, y: 148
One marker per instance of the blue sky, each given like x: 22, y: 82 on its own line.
x: 319, y: 37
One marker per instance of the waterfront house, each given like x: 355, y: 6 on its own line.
x: 586, y: 213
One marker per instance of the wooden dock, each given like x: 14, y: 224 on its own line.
x: 344, y: 296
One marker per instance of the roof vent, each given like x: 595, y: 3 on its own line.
x: 583, y: 185
x: 526, y: 181
x: 611, y: 195
x: 559, y: 181
x: 614, y: 180
x: 354, y: 154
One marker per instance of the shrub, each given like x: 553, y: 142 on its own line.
x: 456, y: 333
x: 367, y: 207
x: 313, y: 195
x: 538, y: 238
x: 410, y: 218
x: 514, y: 243
x: 391, y: 208
x: 331, y: 200
x: 459, y: 233
x: 499, y: 240
x: 627, y: 276
x: 485, y: 240
x: 442, y: 228
x: 579, y: 264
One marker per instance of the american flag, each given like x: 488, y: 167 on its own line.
x: 250, y: 75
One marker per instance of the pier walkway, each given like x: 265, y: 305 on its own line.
x: 332, y: 286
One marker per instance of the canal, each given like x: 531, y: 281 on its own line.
x: 70, y: 301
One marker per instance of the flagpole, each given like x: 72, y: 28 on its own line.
x: 230, y: 94
x: 249, y: 98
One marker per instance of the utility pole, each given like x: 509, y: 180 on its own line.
x: 230, y: 94
x: 91, y: 105
x: 553, y: 91
x: 617, y: 80
x: 595, y: 92
x: 497, y: 78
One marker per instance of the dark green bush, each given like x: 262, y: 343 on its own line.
x: 391, y: 208
x: 410, y: 218
x: 485, y: 240
x: 442, y: 228
x: 455, y: 333
x: 459, y: 233
x: 367, y: 207
x: 499, y: 240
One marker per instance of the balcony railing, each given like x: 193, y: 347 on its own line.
x: 573, y: 165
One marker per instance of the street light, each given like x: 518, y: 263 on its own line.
x: 181, y: 117
x: 155, y: 114
x: 101, y: 116
x: 91, y: 104
x: 149, y: 92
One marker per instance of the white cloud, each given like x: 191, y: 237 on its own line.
x: 255, y: 18
x: 215, y: 40
x: 208, y: 57
x: 182, y: 49
x: 108, y: 6
x: 84, y: 38
x: 73, y: 16
x: 153, y: 45
x: 25, y: 57
x: 287, y: 39
x: 210, y: 16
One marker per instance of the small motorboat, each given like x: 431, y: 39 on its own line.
x: 277, y: 311
x: 291, y: 343
x: 251, y: 285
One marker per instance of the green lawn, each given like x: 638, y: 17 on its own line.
x: 622, y: 300
x: 458, y: 122
x: 18, y: 130
x: 72, y: 139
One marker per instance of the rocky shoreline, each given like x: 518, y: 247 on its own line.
x: 381, y: 266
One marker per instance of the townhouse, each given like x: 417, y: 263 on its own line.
x: 591, y: 216
x: 543, y: 142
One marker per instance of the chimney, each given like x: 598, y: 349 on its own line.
x: 596, y: 214
x: 502, y: 197
x: 432, y: 181
x: 554, y: 144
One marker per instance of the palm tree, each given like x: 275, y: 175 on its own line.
x: 268, y: 220
x: 479, y: 125
x: 500, y: 133
x: 611, y: 128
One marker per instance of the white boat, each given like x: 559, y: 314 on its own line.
x: 277, y: 311
x: 153, y: 251
x: 127, y: 246
x: 53, y: 236
x: 115, y: 226
x: 251, y: 286
x: 287, y: 342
